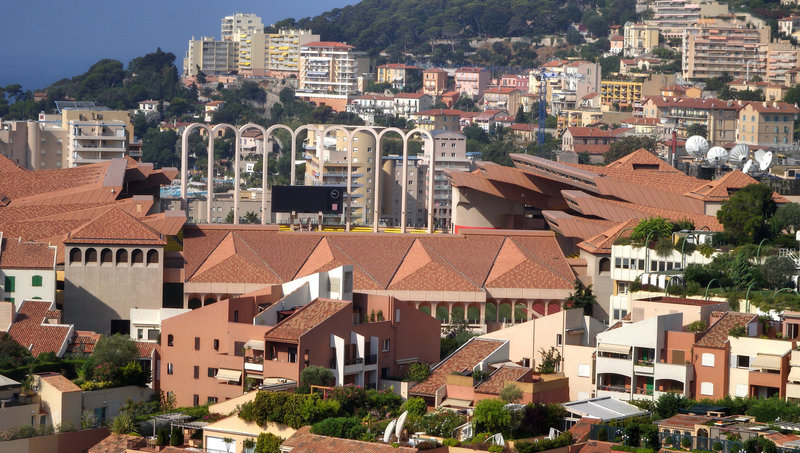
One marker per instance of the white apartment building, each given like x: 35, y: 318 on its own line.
x: 630, y: 263
x: 329, y: 72
x: 636, y: 361
x: 672, y: 16
x: 210, y: 56
x: 240, y: 23
x: 272, y: 54
x: 450, y: 150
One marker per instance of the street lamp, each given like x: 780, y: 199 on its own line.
x: 707, y: 288
x: 747, y: 298
x: 758, y: 251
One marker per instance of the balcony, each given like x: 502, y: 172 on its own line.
x: 618, y: 392
x: 793, y: 391
x: 371, y: 359
x: 643, y: 367
x: 254, y: 364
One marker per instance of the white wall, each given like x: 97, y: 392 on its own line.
x: 23, y: 284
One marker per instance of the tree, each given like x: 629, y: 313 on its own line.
x: 491, y: 416
x: 418, y: 372
x: 627, y: 145
x: 581, y: 297
x: 746, y: 214
x: 316, y: 375
x: 520, y: 116
x: 117, y: 349
x: 176, y: 437
x: 511, y: 394
x: 740, y: 271
x: 550, y: 361
x: 759, y: 445
x: 122, y: 424
x: 777, y: 271
x: 697, y: 129
x: 792, y: 95
x: 268, y: 443
x: 416, y: 407
x: 654, y: 227
x: 201, y: 76
x: 668, y: 405
x: 786, y: 218
x: 160, y: 148
x: 251, y: 217
x: 574, y: 37
x: 697, y: 326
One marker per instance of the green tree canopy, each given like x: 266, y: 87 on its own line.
x: 627, y: 145
x: 117, y: 349
x: 316, y: 375
x: 161, y: 148
x: 491, y: 416
x: 786, y: 218
x: 746, y: 214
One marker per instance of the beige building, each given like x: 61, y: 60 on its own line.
x: 639, y: 38
x: 710, y: 50
x: 79, y: 135
x: 437, y: 119
x: 238, y: 24
x: 272, y: 54
x: 398, y: 74
x: 210, y: 56
x: 672, y: 16
x: 767, y: 124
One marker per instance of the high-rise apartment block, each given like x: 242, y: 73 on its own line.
x: 272, y: 54
x: 710, y: 51
x: 240, y: 23
x: 329, y: 73
x: 210, y: 57
x: 639, y: 38
x: 672, y: 16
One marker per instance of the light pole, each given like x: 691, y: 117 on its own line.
x: 747, y: 298
x: 758, y: 251
x: 705, y: 296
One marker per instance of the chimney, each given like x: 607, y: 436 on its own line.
x: 764, y: 103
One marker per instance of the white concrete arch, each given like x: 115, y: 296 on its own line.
x: 431, y: 176
x: 269, y: 132
x: 236, y: 163
x: 185, y: 158
x: 264, y: 168
x: 376, y: 215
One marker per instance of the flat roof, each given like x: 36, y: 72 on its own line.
x: 604, y: 408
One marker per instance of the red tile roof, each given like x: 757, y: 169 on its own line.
x: 439, y: 112
x: 773, y: 107
x: 115, y: 227
x: 15, y: 254
x: 305, y: 318
x: 701, y: 104
x: 601, y: 243
x: 83, y: 342
x: 465, y: 359
x: 398, y: 66
x: 497, y: 380
x: 145, y: 349
x: 409, y: 95
x: 59, y: 382
x: 339, y: 45
x: 36, y: 328
x: 580, y: 431
x: 717, y: 334
x: 685, y: 421
x: 303, y: 441
x: 596, y: 446
x: 591, y: 132
x: 522, y: 127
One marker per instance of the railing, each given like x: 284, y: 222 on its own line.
x: 354, y: 361
x: 614, y: 388
x: 256, y: 359
x: 641, y: 362
x: 371, y: 359
x: 19, y: 401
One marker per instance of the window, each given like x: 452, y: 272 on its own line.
x: 212, y: 372
x: 196, y: 343
x: 195, y: 400
x: 212, y: 399
x: 584, y: 370
x: 293, y: 354
x: 9, y: 287
x: 36, y: 280
x: 559, y: 339
x: 170, y: 339
x: 386, y: 344
x: 196, y: 372
x: 235, y: 315
x: 384, y: 372
x: 706, y: 388
x: 707, y: 360
x: 100, y: 414
x: 238, y: 348
x: 139, y: 334
x: 743, y: 361
x: 216, y: 344
x: 169, y: 368
x: 91, y: 255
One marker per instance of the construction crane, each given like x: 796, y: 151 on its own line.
x: 543, y: 76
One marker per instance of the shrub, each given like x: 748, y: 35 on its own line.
x: 716, y: 446
x: 450, y: 442
x: 133, y: 374
x: 659, y: 227
x: 686, y: 442
x: 342, y: 427
x: 440, y: 423
x: 415, y: 406
x: 418, y: 372
x: 176, y: 438
x: 664, y: 247
x: 268, y: 443
x: 162, y: 435
x: 491, y: 415
x: 697, y: 326
x: 562, y: 440
x: 106, y: 371
x: 122, y: 424
x: 316, y: 375
x: 511, y: 394
x: 495, y: 448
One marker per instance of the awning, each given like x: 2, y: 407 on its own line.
x: 767, y: 362
x: 255, y: 344
x: 224, y: 374
x: 453, y: 402
x: 614, y: 348
x: 794, y: 374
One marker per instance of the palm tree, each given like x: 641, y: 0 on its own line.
x: 251, y: 217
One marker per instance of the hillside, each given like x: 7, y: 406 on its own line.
x: 416, y: 26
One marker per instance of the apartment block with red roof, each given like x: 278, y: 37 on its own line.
x: 436, y: 119
x: 329, y: 73
x: 592, y: 140
x: 719, y: 117
x: 767, y: 124
x: 399, y: 74
x: 518, y: 81
x: 472, y: 81
x: 434, y: 81
x: 505, y: 99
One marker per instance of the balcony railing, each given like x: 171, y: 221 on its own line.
x: 256, y: 359
x: 371, y: 359
x: 354, y: 361
x: 614, y: 388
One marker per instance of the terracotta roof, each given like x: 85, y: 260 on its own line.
x: 522, y: 127
x: 434, y: 70
x: 596, y: 446
x: 701, y: 104
x: 439, y: 112
x: 305, y: 318
x: 303, y: 441
x: 554, y: 63
x: 685, y: 420
x: 497, y: 380
x: 601, y: 243
x: 465, y: 359
x: 679, y: 301
x: 114, y: 443
x: 83, y: 341
x: 641, y: 121
x: 36, y: 327
x: 374, y: 97
x: 409, y: 95
x: 471, y: 69
x: 781, y: 440
x: 340, y: 45
x: 423, y: 269
x: 15, y: 254
x: 772, y: 107
x: 398, y: 66
x: 527, y: 262
x: 717, y: 334
x: 580, y: 431
x: 501, y: 90
x: 115, y: 227
x: 59, y: 382
x: 591, y: 149
x: 145, y: 349
x: 589, y: 132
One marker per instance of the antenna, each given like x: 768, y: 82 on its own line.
x: 739, y: 153
x: 696, y: 146
x: 747, y: 166
x: 765, y: 162
x: 716, y: 155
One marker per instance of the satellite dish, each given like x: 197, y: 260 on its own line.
x: 696, y: 146
x: 398, y: 430
x: 758, y: 155
x: 747, y: 166
x: 739, y: 153
x: 765, y: 162
x: 387, y: 434
x: 716, y: 155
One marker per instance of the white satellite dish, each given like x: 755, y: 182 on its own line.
x: 739, y: 153
x: 747, y: 166
x: 387, y: 434
x: 716, y: 155
x: 758, y: 155
x: 696, y: 146
x: 398, y: 430
x: 765, y: 162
